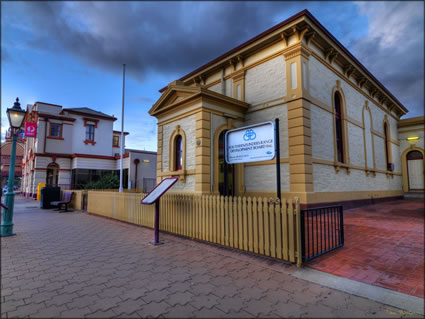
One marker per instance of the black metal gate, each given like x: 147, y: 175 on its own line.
x: 322, y: 230
x: 84, y: 198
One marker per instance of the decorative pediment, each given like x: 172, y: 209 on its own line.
x: 175, y: 93
x: 178, y: 94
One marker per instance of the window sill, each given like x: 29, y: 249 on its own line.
x: 180, y: 173
x: 55, y: 137
x: 339, y: 165
x: 89, y: 142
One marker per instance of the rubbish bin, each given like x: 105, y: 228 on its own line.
x: 39, y: 187
x: 48, y: 195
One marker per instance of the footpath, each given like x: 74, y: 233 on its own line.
x: 78, y: 265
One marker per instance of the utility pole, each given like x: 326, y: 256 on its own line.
x: 122, y: 128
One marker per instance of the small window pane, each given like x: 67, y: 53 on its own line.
x: 116, y: 141
x: 55, y: 130
x: 90, y: 132
x: 179, y: 153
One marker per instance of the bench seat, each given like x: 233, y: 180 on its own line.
x: 66, y: 200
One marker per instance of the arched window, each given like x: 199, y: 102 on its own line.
x: 339, y: 129
x: 387, y: 144
x: 178, y: 153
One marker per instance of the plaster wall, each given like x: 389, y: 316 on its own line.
x: 368, y: 139
x: 326, y: 180
x: 263, y: 178
x: 144, y: 170
x: 356, y: 147
x: 60, y: 146
x: 381, y: 161
x: 102, y: 137
x: 321, y: 133
x: 188, y: 185
x: 266, y: 81
x: 396, y: 154
x: 93, y: 163
x: 64, y: 178
x: 413, y: 131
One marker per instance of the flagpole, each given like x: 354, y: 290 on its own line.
x: 122, y: 128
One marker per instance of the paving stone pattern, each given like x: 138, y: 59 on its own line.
x: 386, y: 250
x: 76, y: 265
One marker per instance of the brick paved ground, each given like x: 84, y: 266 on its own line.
x: 384, y: 246
x: 78, y: 265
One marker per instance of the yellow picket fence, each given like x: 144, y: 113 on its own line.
x: 258, y: 225
x: 77, y: 199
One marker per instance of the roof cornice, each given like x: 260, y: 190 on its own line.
x: 419, y: 120
x: 312, y: 28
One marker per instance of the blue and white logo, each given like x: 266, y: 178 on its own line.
x: 249, y: 135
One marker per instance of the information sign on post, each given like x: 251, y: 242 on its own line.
x: 154, y: 197
x: 251, y: 143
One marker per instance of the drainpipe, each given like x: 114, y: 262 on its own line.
x: 136, y: 162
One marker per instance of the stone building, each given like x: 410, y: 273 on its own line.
x: 338, y: 123
x: 411, y: 138
x: 76, y: 146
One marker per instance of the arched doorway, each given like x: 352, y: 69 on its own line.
x: 52, y: 174
x: 226, y: 172
x: 415, y: 170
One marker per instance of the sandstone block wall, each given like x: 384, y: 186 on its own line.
x: 266, y: 81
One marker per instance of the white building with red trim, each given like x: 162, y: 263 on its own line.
x: 76, y: 146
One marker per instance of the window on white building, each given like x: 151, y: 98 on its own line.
x: 90, y: 132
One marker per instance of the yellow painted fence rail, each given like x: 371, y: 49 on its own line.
x: 258, y: 225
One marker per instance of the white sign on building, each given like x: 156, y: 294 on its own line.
x: 251, y: 143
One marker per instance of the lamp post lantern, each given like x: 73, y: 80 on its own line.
x: 16, y: 117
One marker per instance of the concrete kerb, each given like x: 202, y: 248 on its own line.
x: 383, y: 295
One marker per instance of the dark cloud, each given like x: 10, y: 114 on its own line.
x: 174, y: 38
x: 393, y: 50
x: 167, y: 37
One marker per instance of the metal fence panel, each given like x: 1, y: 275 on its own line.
x: 322, y: 230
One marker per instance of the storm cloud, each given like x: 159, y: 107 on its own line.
x: 173, y: 38
x: 393, y: 50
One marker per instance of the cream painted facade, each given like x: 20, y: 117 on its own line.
x: 58, y: 157
x: 411, y: 137
x: 294, y: 72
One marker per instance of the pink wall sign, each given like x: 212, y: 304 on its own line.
x: 30, y: 129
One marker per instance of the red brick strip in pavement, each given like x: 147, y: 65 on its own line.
x: 384, y: 246
x: 79, y: 265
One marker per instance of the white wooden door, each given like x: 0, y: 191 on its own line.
x: 416, y: 174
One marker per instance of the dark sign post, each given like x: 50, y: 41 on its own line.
x: 276, y: 130
x: 254, y: 143
x: 154, y: 197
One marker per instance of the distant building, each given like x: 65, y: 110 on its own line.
x: 411, y: 138
x: 6, y: 148
x: 77, y: 146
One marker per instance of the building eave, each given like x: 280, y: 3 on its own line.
x: 259, y: 41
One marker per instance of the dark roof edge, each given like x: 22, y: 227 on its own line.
x: 283, y: 23
x: 106, y: 116
x: 310, y: 16
x: 241, y: 46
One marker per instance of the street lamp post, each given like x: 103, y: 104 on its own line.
x: 16, y: 117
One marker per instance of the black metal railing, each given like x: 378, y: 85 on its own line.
x: 322, y: 230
